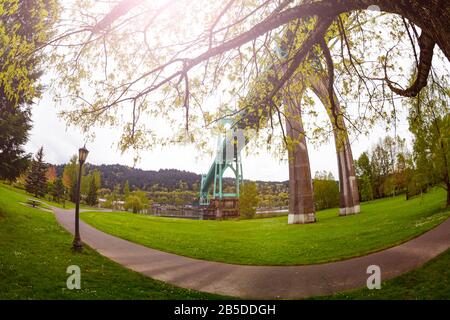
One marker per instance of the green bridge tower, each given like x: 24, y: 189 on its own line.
x: 228, y: 155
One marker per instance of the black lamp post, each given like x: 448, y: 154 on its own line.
x: 77, y: 244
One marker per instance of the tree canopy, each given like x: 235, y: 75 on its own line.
x: 24, y: 26
x: 430, y: 124
x: 15, y: 124
x: 133, y: 60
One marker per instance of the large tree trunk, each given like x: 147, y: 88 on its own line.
x: 348, y: 187
x: 432, y: 16
x: 301, y: 196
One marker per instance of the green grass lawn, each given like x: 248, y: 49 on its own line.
x: 381, y: 224
x: 35, y: 253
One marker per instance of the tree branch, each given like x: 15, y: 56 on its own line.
x: 426, y: 45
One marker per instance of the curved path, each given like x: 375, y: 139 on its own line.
x: 263, y: 282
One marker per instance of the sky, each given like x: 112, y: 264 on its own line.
x: 61, y: 142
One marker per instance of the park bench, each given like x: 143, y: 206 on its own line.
x: 33, y: 202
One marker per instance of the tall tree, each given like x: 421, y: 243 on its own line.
x: 387, y: 166
x: 15, y: 124
x: 114, y: 197
x: 70, y: 177
x: 51, y: 174
x: 430, y: 124
x: 24, y: 26
x: 69, y: 171
x: 364, y: 174
x: 36, y: 181
x: 91, y: 198
x: 58, y: 191
x: 86, y: 179
x: 326, y: 191
x: 126, y: 189
x: 383, y: 172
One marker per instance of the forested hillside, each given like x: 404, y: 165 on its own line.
x: 116, y: 174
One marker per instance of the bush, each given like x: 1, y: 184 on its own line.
x: 134, y: 203
x: 326, y: 194
x: 248, y: 200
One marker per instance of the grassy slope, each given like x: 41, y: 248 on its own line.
x: 381, y: 224
x: 431, y: 281
x: 35, y: 252
x: 67, y: 205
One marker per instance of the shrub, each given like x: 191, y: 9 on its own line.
x: 248, y: 200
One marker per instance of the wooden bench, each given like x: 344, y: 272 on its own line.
x: 33, y: 202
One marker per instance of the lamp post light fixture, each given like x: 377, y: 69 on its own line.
x: 77, y: 244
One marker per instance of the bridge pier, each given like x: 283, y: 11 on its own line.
x: 348, y: 187
x: 349, y: 196
x: 301, y: 196
x: 220, y: 209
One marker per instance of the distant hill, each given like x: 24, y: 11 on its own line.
x: 138, y: 178
x: 144, y: 179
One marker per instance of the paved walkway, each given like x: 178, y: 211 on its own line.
x: 264, y: 282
